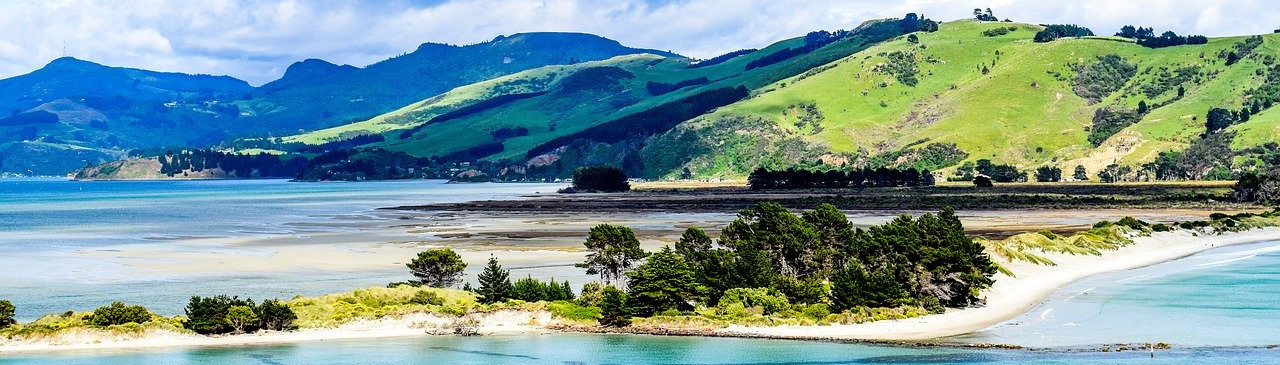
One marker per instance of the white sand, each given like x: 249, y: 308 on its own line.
x: 499, y: 322
x: 1011, y: 297
x: 1006, y: 299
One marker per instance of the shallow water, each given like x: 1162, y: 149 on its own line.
x: 574, y: 349
x: 44, y: 222
x: 1222, y: 297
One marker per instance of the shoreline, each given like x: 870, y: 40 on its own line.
x: 1008, y: 298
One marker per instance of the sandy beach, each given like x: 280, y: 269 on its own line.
x: 1006, y: 299
x: 419, y: 324
x: 1012, y: 296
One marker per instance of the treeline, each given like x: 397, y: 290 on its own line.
x: 223, y: 315
x: 339, y: 144
x: 371, y: 164
x: 818, y: 39
x: 233, y: 164
x: 763, y: 178
x: 659, y: 88
x: 654, y: 120
x: 1052, y: 32
x: 471, y: 109
x: 721, y: 58
x: 1146, y: 37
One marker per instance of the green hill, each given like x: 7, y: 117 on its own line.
x: 316, y: 94
x: 1004, y: 98
x: 564, y: 109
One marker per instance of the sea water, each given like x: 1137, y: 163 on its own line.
x: 1218, y: 307
x: 45, y: 222
x: 578, y: 349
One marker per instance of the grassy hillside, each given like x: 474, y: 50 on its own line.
x: 1004, y: 98
x: 577, y: 97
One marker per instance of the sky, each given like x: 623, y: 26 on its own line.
x: 255, y: 40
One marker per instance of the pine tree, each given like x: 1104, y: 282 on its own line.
x: 495, y: 283
x: 664, y: 282
x: 613, y: 308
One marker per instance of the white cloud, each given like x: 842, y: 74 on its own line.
x: 256, y: 39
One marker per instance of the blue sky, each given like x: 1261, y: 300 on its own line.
x: 256, y: 40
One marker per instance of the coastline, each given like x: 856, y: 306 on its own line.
x: 1008, y: 298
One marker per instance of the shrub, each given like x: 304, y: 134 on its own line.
x: 982, y: 181
x: 117, y: 313
x: 1133, y: 223
x: 7, y: 311
x: 426, y: 297
x: 771, y: 301
x: 817, y: 311
x: 592, y: 294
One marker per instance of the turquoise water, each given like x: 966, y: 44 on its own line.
x: 44, y: 221
x: 1222, y: 297
x: 572, y: 349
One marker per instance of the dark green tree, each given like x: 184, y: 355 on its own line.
x: 663, y: 282
x: 495, y: 283
x: 612, y: 251
x: 694, y: 245
x: 7, y: 311
x: 982, y: 181
x: 613, y: 308
x: 209, y: 315
x: 854, y: 287
x: 1142, y: 107
x: 1081, y: 174
x: 1048, y: 174
x: 601, y: 179
x: 274, y: 315
x: 774, y: 231
x: 439, y: 267
x: 1218, y: 119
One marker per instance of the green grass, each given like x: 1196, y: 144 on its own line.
x: 1019, y: 112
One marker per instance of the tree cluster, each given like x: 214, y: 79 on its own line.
x: 533, y: 290
x: 1096, y: 80
x: 600, y: 179
x: 1052, y: 32
x: 763, y: 178
x: 795, y: 258
x: 1108, y: 121
x: 999, y: 172
x: 1260, y: 188
x: 1170, y: 39
x: 234, y: 164
x: 721, y: 58
x: 223, y: 314
x: 1048, y: 174
x: 117, y: 313
x: 984, y: 15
